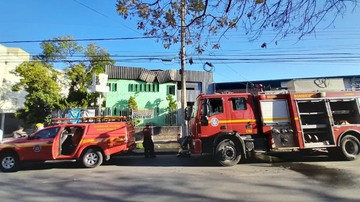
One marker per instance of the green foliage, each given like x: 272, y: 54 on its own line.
x: 132, y: 103
x: 170, y: 118
x: 133, y: 106
x: 205, y: 19
x: 60, y: 48
x: 43, y: 83
x: 39, y: 80
x: 78, y: 72
x: 172, y: 103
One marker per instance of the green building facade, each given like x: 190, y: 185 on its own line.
x: 148, y: 96
x: 150, y: 89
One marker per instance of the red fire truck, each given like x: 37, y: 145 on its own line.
x: 235, y: 126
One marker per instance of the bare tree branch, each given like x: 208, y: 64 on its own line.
x: 200, y: 16
x: 228, y: 7
x: 216, y: 17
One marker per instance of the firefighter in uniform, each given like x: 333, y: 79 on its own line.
x: 148, y: 142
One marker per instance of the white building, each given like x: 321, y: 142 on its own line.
x: 63, y: 83
x: 10, y: 101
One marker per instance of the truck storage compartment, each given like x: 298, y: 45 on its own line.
x: 345, y: 111
x: 315, y: 123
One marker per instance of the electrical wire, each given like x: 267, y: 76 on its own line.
x: 94, y: 10
x: 62, y: 40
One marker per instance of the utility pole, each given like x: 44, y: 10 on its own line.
x: 183, y: 74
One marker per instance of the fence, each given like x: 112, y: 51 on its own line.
x: 155, y: 117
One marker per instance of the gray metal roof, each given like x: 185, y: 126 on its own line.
x: 162, y: 76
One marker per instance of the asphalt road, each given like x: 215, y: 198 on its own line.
x: 170, y: 179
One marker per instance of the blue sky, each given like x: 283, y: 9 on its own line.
x: 44, y: 19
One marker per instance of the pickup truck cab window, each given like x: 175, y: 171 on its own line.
x: 47, y: 133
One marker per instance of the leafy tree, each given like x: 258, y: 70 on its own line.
x: 133, y: 106
x: 132, y: 103
x: 172, y: 107
x: 206, y: 18
x: 39, y: 80
x: 172, y: 103
x: 78, y: 71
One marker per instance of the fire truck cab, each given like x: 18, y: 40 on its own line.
x: 235, y: 126
x: 90, y: 141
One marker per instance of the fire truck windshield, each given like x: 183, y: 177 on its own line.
x: 196, y: 106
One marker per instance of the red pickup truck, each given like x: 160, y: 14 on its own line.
x: 89, y: 143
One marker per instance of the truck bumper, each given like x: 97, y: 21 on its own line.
x: 196, y: 146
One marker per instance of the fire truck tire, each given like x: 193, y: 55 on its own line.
x: 350, y: 147
x: 92, y: 158
x: 227, y: 153
x: 9, y: 161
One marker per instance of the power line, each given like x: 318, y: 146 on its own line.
x: 94, y: 10
x: 88, y: 7
x: 61, y: 40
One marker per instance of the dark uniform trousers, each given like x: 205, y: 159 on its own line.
x: 148, y: 143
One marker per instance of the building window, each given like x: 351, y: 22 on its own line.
x: 147, y: 87
x: 239, y: 103
x: 114, y: 87
x: 109, y: 85
x: 156, y: 87
x: 216, y: 106
x: 171, y: 89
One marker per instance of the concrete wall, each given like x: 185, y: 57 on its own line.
x: 160, y: 133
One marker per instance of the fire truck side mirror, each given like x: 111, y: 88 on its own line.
x: 188, y: 111
x: 205, y: 111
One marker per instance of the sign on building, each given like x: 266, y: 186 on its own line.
x: 143, y: 114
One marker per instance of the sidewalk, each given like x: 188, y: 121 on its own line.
x: 161, y: 147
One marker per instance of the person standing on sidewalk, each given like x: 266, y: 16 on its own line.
x: 20, y: 133
x: 148, y: 142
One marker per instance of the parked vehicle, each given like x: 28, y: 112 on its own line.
x: 235, y: 126
x: 91, y: 142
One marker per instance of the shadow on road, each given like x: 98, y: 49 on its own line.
x: 278, y: 159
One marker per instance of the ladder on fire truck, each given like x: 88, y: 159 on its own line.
x: 96, y: 119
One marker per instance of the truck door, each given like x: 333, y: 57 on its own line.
x: 241, y: 113
x: 39, y: 145
x: 216, y: 120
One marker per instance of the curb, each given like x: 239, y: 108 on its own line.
x: 140, y: 153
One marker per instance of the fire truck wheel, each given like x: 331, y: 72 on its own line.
x: 92, y: 158
x: 350, y: 147
x: 9, y: 162
x: 227, y: 153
